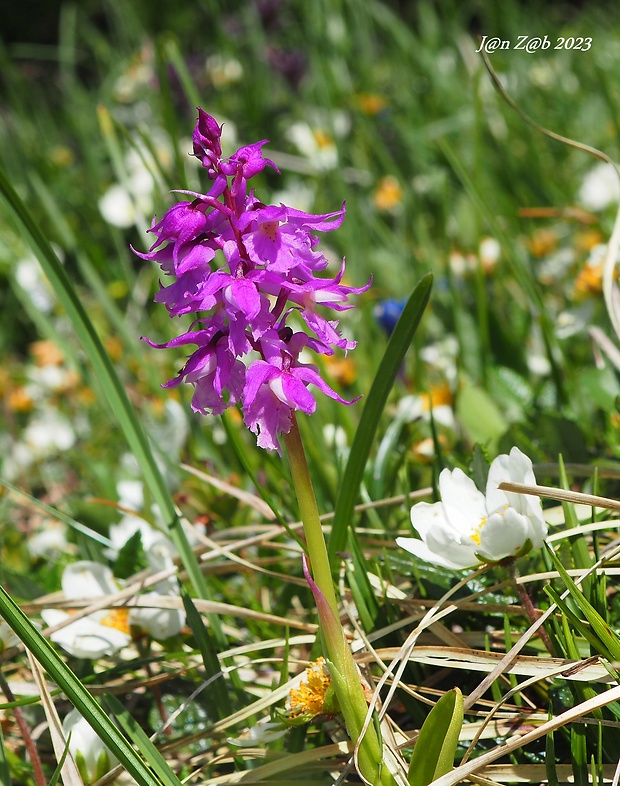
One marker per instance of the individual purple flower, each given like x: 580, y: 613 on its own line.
x: 276, y: 387
x: 244, y: 268
x: 279, y: 237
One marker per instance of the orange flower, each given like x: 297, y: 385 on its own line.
x: 19, y: 401
x: 389, y: 193
x: 371, y: 103
x: 341, y: 369
x: 46, y: 353
x: 589, y: 281
x: 543, y: 242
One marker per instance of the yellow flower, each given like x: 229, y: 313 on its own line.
x: 440, y: 395
x: 46, y: 353
x: 371, y: 103
x: 19, y: 401
x: 61, y: 156
x: 313, y: 697
x: 543, y: 242
x: 587, y: 240
x: 389, y: 193
x: 589, y: 281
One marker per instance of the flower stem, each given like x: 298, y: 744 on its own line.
x: 309, y: 513
x: 532, y: 612
x: 343, y: 669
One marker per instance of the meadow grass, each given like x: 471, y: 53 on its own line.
x: 388, y: 107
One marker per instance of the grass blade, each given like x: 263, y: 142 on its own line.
x: 375, y: 402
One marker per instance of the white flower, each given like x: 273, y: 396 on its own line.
x: 50, y: 541
x: 160, y: 623
x: 468, y: 527
x: 104, y: 632
x: 316, y: 144
x: 30, y: 276
x: 223, y: 70
x: 600, y: 187
x: 92, y: 757
x: 48, y: 433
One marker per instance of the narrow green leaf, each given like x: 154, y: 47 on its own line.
x: 135, y: 733
x: 579, y: 625
x: 5, y: 774
x: 221, y: 700
x: 398, y: 345
x: 433, y: 755
x: 56, y: 514
x: 58, y: 770
x: 550, y: 768
x: 579, y: 754
x: 607, y: 639
x: 77, y: 694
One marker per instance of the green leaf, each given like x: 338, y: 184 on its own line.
x: 5, y: 774
x: 605, y: 638
x: 550, y: 768
x: 131, y: 557
x: 133, y: 730
x: 479, y: 416
x: 398, y: 345
x: 433, y: 755
x: 221, y: 700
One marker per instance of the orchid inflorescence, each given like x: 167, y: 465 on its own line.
x: 246, y: 352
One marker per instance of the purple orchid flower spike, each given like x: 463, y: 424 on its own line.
x: 245, y: 268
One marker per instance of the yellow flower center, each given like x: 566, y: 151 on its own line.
x: 117, y: 618
x: 310, y: 696
x: 440, y: 395
x: 322, y: 139
x: 475, y: 536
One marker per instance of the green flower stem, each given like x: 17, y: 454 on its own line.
x: 309, y: 514
x: 344, y: 672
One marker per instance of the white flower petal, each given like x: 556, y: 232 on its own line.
x: 419, y: 549
x: 460, y: 493
x: 85, y: 638
x: 160, y: 623
x: 88, y: 580
x: 84, y: 740
x: 503, y: 535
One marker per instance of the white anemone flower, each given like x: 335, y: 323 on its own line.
x: 92, y: 757
x: 599, y: 187
x: 102, y: 633
x: 468, y: 527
